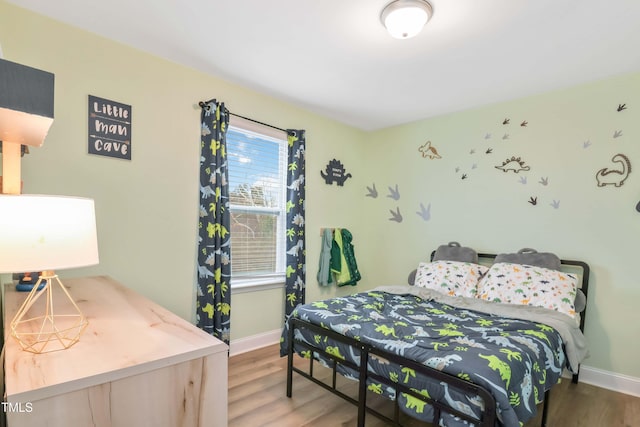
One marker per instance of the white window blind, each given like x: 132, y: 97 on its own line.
x: 257, y: 184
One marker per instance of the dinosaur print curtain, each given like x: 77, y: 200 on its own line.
x: 213, y: 304
x: 296, y: 265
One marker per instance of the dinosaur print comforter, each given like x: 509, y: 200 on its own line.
x: 516, y: 360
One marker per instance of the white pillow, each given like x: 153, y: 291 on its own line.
x: 529, y: 285
x: 453, y: 278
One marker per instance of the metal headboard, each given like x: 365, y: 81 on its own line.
x: 565, y: 264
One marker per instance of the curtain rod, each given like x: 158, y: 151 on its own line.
x: 204, y: 105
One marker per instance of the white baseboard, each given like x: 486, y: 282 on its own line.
x: 254, y: 342
x: 588, y: 375
x: 610, y: 380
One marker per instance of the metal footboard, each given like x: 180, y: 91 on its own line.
x: 487, y: 419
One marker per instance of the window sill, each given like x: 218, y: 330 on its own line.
x: 240, y: 286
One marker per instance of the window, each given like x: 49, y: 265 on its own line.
x: 257, y: 157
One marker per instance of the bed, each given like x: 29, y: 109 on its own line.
x: 459, y: 351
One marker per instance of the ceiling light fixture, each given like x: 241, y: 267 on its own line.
x: 405, y: 18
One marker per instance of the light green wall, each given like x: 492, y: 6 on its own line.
x: 490, y: 211
x: 147, y: 208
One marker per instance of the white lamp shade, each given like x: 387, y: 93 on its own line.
x: 40, y: 233
x: 404, y: 19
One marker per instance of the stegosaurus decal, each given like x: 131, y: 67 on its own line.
x: 515, y: 164
x: 335, y: 172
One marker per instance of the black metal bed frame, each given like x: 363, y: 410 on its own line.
x: 488, y: 418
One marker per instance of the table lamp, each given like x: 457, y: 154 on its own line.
x: 46, y: 233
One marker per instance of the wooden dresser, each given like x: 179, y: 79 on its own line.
x: 136, y: 364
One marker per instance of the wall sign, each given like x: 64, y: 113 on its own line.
x: 109, y: 128
x: 335, y: 172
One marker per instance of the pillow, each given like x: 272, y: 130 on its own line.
x: 449, y: 252
x: 529, y: 256
x: 452, y: 278
x: 530, y: 285
x: 454, y: 252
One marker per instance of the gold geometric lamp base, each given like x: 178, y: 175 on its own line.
x: 51, y: 331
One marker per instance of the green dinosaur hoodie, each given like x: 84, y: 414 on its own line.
x: 343, y: 260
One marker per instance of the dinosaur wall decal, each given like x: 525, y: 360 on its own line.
x: 615, y: 177
x: 372, y: 191
x: 515, y: 164
x: 429, y: 151
x: 335, y: 172
x: 394, y: 193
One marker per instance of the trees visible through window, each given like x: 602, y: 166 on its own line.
x: 257, y: 183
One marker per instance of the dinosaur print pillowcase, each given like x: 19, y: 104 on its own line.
x: 529, y: 285
x: 453, y: 278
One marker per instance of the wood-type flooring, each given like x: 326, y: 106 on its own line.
x: 257, y: 397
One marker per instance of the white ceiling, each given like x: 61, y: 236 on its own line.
x: 334, y: 57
